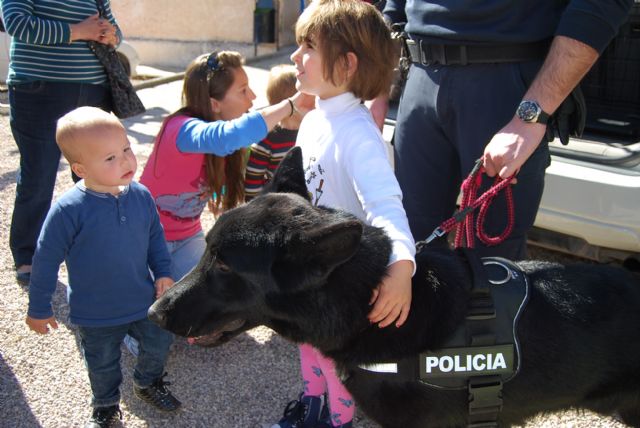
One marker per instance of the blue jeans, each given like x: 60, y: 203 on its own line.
x: 185, y: 254
x: 101, y: 351
x: 35, y: 108
x: 447, y: 115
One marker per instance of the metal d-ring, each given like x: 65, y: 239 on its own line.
x: 502, y: 265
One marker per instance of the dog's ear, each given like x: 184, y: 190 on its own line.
x: 330, y: 245
x: 289, y: 177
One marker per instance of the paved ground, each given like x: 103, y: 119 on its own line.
x: 242, y: 384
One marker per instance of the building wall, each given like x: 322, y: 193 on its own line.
x: 170, y: 33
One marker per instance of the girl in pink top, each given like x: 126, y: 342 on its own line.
x: 199, y: 151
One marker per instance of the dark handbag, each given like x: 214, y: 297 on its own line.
x: 125, y: 101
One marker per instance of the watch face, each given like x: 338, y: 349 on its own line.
x: 528, y: 111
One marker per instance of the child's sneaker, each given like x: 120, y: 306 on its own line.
x: 302, y: 413
x: 158, y: 395
x: 104, y: 417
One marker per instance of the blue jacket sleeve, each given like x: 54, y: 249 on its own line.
x: 593, y: 22
x: 394, y: 11
x: 221, y: 138
x: 54, y: 242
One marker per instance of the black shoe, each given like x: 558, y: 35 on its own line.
x: 104, y: 417
x: 158, y: 395
x: 23, y: 278
x: 304, y: 412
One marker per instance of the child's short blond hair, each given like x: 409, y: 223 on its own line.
x: 281, y: 83
x: 78, y: 125
x: 337, y: 27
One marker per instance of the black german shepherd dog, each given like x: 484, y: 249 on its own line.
x: 308, y: 273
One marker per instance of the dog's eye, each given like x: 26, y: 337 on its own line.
x: 219, y: 264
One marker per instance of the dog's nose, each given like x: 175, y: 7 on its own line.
x: 157, y: 317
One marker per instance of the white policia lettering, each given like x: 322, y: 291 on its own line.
x: 478, y: 362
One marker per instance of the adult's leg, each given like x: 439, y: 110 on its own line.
x: 426, y: 163
x: 101, y: 352
x: 483, y: 99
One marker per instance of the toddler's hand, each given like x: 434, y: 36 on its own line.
x: 393, y: 296
x: 41, y: 326
x: 162, y: 285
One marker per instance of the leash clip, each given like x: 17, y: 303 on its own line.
x: 437, y: 233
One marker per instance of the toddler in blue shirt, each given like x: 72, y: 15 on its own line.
x: 107, y: 230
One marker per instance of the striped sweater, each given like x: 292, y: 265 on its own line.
x: 41, y: 47
x: 265, y: 158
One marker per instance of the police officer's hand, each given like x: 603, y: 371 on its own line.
x: 510, y: 148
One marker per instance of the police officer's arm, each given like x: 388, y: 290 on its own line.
x: 566, y: 64
x: 585, y: 29
x: 394, y: 11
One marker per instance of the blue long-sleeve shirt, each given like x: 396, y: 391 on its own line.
x: 109, y: 244
x: 593, y: 22
x: 221, y: 137
x: 41, y: 48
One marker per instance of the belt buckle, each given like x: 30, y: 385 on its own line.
x: 436, y: 54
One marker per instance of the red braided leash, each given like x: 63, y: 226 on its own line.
x: 463, y: 218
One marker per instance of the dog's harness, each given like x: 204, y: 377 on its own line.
x: 484, y: 352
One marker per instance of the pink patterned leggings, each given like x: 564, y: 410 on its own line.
x: 319, y: 376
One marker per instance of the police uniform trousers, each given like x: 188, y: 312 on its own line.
x: 446, y: 117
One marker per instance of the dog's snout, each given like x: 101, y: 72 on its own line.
x: 158, y: 317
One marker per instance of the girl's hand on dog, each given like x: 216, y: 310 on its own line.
x: 162, y: 285
x: 392, y: 298
x: 41, y: 326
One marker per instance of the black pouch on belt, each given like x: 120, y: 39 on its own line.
x: 570, y: 118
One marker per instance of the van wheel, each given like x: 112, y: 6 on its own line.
x: 632, y: 263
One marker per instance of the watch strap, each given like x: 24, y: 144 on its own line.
x: 543, y: 117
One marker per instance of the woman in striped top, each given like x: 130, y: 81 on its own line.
x: 52, y: 71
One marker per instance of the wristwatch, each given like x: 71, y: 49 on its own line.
x: 531, y: 112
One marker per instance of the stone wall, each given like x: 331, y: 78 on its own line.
x: 170, y: 33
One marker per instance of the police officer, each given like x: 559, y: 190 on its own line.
x: 485, y: 77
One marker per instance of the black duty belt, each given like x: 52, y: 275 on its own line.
x: 426, y: 53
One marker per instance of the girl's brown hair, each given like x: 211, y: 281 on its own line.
x: 211, y: 76
x: 337, y: 27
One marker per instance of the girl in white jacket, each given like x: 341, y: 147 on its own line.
x: 344, y: 57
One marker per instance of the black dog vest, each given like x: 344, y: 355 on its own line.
x: 484, y: 352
